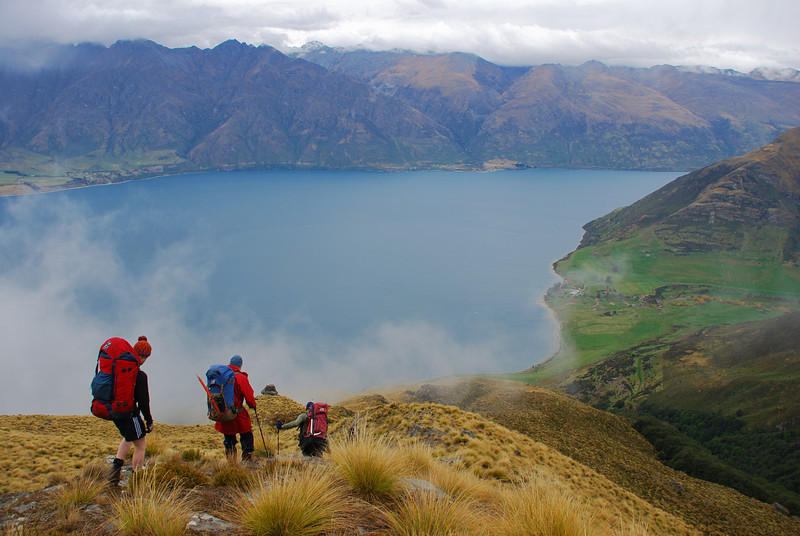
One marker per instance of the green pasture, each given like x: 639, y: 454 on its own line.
x: 636, y: 266
x: 619, y: 295
x: 46, y: 172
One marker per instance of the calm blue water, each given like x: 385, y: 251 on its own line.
x: 320, y: 280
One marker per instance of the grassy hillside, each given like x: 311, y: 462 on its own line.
x: 598, y: 439
x: 684, y: 306
x: 619, y: 294
x: 526, y: 446
x: 646, y: 297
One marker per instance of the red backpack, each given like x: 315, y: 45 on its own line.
x: 114, y: 380
x: 317, y: 422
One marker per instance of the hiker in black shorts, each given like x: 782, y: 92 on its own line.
x: 133, y: 429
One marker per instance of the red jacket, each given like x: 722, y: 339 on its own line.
x: 242, y: 392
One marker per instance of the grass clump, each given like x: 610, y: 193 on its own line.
x: 152, y: 508
x: 96, y: 469
x: 459, y: 483
x: 191, y: 455
x: 75, y: 494
x: 369, y: 464
x: 55, y: 478
x: 540, y: 507
x: 426, y: 514
x: 187, y: 474
x: 300, y: 503
x: 154, y: 447
x: 172, y: 473
x: 418, y: 457
x: 232, y: 475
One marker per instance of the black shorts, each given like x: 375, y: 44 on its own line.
x: 313, y: 446
x: 131, y: 428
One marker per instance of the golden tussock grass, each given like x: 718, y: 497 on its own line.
x: 426, y: 514
x: 369, y: 463
x: 75, y: 494
x: 174, y: 471
x: 191, y: 455
x: 464, y: 455
x: 418, y: 457
x: 154, y: 446
x: 95, y: 469
x: 459, y: 483
x: 232, y: 475
x: 32, y: 447
x: 152, y: 507
x: 506, y: 458
x: 540, y: 507
x: 478, y: 469
x: 306, y: 502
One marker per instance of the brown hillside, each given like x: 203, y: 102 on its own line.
x: 502, y: 432
x: 608, y: 445
x: 464, y: 440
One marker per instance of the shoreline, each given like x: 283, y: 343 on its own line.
x: 557, y: 335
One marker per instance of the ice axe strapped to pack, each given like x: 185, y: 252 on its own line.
x: 219, y: 387
x: 317, y: 422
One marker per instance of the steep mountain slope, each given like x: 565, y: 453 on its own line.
x: 685, y: 306
x: 754, y: 113
x: 588, y: 117
x: 231, y: 106
x: 585, y: 116
x: 459, y: 91
x: 603, y: 442
x: 747, y: 201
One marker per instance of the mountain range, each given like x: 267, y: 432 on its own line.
x: 89, y: 113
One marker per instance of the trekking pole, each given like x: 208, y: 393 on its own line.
x: 264, y: 441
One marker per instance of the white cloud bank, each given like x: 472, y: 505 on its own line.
x: 65, y: 288
x: 738, y: 34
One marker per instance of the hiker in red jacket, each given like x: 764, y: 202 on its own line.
x: 242, y: 392
x: 134, y: 429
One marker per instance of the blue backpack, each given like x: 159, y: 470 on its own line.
x: 219, y: 388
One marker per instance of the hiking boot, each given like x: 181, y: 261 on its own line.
x: 115, y: 473
x: 231, y: 455
x: 247, y: 456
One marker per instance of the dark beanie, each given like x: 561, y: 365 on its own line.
x: 236, y: 361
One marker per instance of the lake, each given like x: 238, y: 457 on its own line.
x: 323, y: 281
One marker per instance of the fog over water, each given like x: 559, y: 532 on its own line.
x: 321, y: 281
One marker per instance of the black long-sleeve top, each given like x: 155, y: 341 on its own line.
x: 141, y: 395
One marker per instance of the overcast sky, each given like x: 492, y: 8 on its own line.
x: 738, y: 34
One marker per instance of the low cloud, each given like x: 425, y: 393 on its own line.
x: 66, y: 286
x: 739, y: 34
x: 72, y: 275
